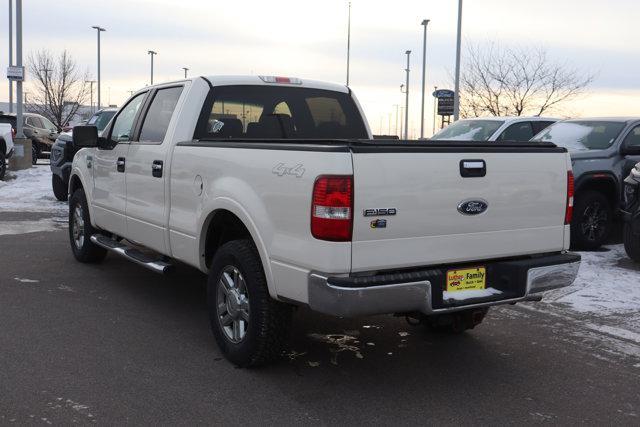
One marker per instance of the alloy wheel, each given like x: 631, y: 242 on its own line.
x: 233, y: 304
x: 78, y: 227
x: 594, y: 219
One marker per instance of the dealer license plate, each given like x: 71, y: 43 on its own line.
x: 466, y: 279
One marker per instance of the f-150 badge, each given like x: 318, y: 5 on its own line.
x: 379, y: 212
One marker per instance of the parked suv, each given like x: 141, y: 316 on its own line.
x: 38, y: 129
x: 603, y: 152
x: 63, y: 151
x: 494, y: 129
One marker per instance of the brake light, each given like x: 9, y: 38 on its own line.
x: 332, y: 207
x: 13, y: 132
x: 282, y: 80
x: 570, y: 191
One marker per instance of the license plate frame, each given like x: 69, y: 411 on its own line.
x: 466, y: 279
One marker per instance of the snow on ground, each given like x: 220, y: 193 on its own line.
x: 608, y: 283
x: 604, y: 300
x: 29, y: 190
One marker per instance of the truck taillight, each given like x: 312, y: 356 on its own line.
x: 13, y: 132
x: 281, y: 80
x: 570, y: 190
x: 332, y: 208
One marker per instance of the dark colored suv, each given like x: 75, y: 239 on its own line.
x: 38, y: 129
x: 603, y: 152
x: 63, y: 151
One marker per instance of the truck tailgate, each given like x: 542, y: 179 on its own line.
x: 524, y: 191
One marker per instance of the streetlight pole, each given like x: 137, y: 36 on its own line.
x: 406, y: 102
x: 19, y: 106
x: 151, y: 52
x: 98, y: 30
x: 348, y: 42
x: 424, y: 73
x: 456, y: 95
x: 185, y: 71
x: 11, y: 54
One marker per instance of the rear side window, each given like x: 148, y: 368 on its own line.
x: 517, y: 132
x: 540, y: 126
x: 156, y: 122
x: 279, y: 112
x: 35, y: 122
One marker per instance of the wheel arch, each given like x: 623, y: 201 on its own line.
x: 75, y: 182
x: 603, y: 182
x: 229, y: 221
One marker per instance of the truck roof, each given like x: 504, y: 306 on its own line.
x: 604, y: 119
x: 258, y: 80
x: 513, y: 118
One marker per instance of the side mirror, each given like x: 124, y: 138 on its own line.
x: 85, y: 136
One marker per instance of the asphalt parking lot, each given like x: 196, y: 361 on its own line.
x: 116, y: 344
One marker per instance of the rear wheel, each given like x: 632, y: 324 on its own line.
x: 591, y: 222
x: 59, y: 188
x: 81, y: 230
x: 3, y: 164
x: 249, y: 326
x: 631, y: 243
x: 457, y: 322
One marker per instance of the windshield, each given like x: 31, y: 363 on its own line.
x: 582, y: 135
x: 101, y: 119
x: 469, y: 130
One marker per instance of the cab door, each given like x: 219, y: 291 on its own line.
x: 146, y: 175
x: 109, y: 167
x: 630, y: 151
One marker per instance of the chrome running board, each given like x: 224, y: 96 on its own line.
x: 132, y: 254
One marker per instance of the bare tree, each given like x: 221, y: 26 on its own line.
x: 59, y: 89
x: 516, y: 81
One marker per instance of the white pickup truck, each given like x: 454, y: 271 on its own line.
x: 274, y: 187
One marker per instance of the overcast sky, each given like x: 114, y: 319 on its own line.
x: 308, y: 39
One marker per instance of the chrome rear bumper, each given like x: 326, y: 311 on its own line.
x: 382, y: 295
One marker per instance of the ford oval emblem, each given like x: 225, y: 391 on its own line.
x: 473, y: 207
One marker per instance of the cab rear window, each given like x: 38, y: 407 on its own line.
x: 276, y: 112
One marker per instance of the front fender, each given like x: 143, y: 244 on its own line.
x: 80, y: 171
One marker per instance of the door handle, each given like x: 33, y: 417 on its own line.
x: 120, y: 164
x: 156, y: 168
x: 473, y: 168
